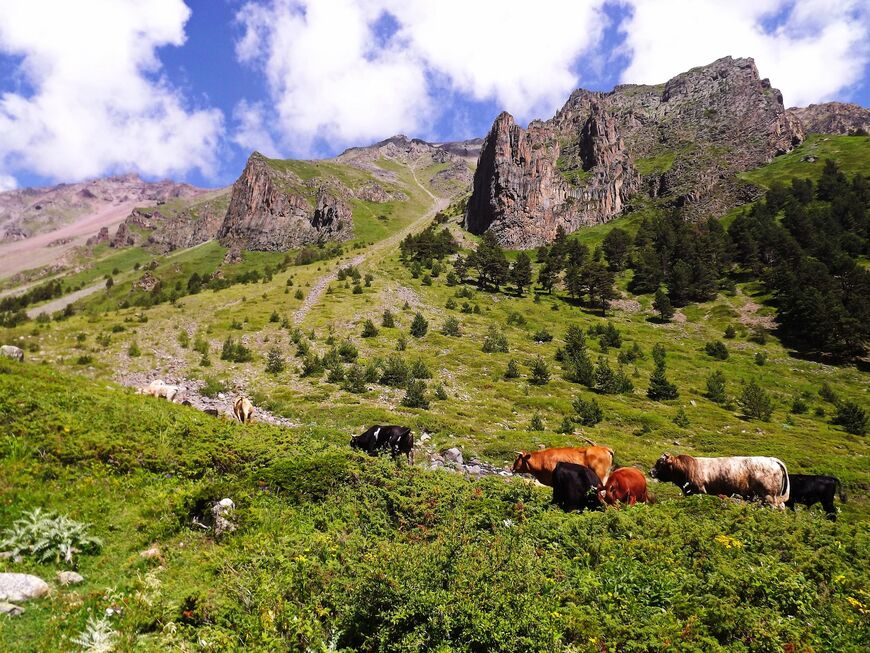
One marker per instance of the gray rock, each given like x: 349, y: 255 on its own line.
x: 151, y: 554
x: 453, y: 455
x: 10, y: 608
x: 21, y: 587
x: 13, y: 352
x: 222, y: 511
x: 69, y: 578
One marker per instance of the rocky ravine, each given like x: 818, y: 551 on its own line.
x: 686, y: 140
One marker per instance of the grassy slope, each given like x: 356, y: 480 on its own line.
x: 484, y: 414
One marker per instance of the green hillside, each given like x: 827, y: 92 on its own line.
x: 337, y: 551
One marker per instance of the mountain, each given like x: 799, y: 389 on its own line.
x: 833, y: 118
x: 686, y: 140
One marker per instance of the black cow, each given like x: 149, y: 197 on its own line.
x: 808, y: 489
x: 576, y: 487
x: 398, y: 439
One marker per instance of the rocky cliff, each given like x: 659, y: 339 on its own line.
x: 833, y: 118
x: 685, y: 140
x: 272, y: 209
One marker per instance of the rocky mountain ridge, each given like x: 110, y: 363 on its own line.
x: 833, y: 118
x: 686, y: 139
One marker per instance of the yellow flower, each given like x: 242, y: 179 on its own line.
x: 728, y: 542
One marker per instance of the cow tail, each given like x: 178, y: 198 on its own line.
x: 785, y: 491
x: 840, y: 491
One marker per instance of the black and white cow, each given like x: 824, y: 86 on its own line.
x: 808, y: 489
x: 396, y: 439
x: 576, y: 487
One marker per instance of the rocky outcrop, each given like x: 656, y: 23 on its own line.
x: 101, y: 238
x: 685, y: 140
x: 21, y: 587
x: 833, y: 118
x: 123, y: 237
x: 271, y: 209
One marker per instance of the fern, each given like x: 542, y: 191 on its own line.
x: 97, y: 637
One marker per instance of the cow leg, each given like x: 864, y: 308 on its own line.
x: 830, y: 509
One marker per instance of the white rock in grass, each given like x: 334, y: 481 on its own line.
x: 21, y: 587
x: 10, y: 608
x: 69, y: 578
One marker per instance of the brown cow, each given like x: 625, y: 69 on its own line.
x: 243, y: 409
x: 625, y: 485
x: 541, y: 464
x: 751, y: 477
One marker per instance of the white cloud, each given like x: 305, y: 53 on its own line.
x: 812, y: 50
x: 98, y: 101
x: 333, y: 76
x: 7, y: 182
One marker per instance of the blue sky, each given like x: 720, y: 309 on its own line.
x: 186, y: 90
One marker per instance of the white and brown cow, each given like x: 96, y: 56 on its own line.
x: 159, y: 389
x: 243, y: 409
x: 750, y: 477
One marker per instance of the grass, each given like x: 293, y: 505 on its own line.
x: 656, y: 164
x: 338, y: 549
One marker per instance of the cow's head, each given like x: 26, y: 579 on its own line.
x: 664, y: 468
x: 521, y: 464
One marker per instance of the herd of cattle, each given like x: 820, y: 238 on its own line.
x: 583, y: 478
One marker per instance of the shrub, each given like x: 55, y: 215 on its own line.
x: 103, y: 340
x: 495, y: 341
x: 312, y: 364
x: 716, y: 388
x: 427, y: 280
x: 513, y: 370
x: 369, y: 329
x: 516, y: 319
x: 183, y: 339
x: 357, y: 289
x: 760, y: 358
x: 347, y: 351
x: 799, y: 405
x: 299, y: 294
x: 419, y: 370
x: 212, y: 387
x: 588, y: 412
x: 451, y: 304
x: 758, y: 335
x: 439, y: 392
x: 419, y: 326
x: 48, y: 537
x: 401, y: 343
x: 451, y: 327
x: 540, y: 372
x: 372, y: 372
x: 567, y: 426
x: 609, y: 382
x: 542, y: 336
x: 415, y: 395
x: 133, y: 350
x: 235, y: 324
x: 388, y: 321
x: 537, y: 424
x: 274, y: 317
x: 355, y: 379
x: 851, y: 417
x: 84, y: 359
x: 630, y: 355
x: 235, y: 351
x: 395, y: 372
x: 662, y: 305
x: 681, y: 419
x: 756, y: 402
x: 368, y: 279
x: 334, y: 370
x: 204, y: 360
x: 274, y: 361
x: 730, y: 332
x: 451, y: 278
x: 717, y: 349
x: 828, y: 394
x: 609, y: 336
x: 660, y: 389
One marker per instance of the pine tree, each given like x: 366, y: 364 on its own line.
x: 716, y: 388
x: 540, y: 372
x: 419, y: 326
x: 662, y: 305
x: 521, y: 272
x: 274, y: 361
x: 756, y: 402
x: 660, y: 389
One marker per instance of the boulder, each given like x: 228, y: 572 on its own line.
x: 10, y: 609
x: 21, y: 587
x: 69, y: 578
x: 222, y: 511
x: 453, y: 455
x: 13, y: 352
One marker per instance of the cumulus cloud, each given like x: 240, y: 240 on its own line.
x: 347, y: 71
x: 94, y: 100
x: 7, y: 182
x: 812, y: 50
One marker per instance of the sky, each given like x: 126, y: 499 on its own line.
x: 186, y: 89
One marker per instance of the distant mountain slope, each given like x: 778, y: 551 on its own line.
x: 833, y: 118
x: 686, y: 139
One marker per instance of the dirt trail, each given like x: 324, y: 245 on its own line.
x: 319, y: 287
x: 62, y: 302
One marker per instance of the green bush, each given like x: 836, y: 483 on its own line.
x: 419, y: 326
x: 542, y: 336
x: 48, y: 537
x: 451, y: 327
x: 537, y: 424
x: 415, y: 395
x: 369, y: 329
x: 756, y: 402
x: 589, y: 412
x: 681, y: 419
x: 851, y: 417
x: 388, y: 321
x: 716, y: 388
x: 395, y: 372
x: 717, y: 349
x: 347, y: 351
x: 274, y: 361
x: 235, y: 351
x: 730, y: 332
x: 799, y: 405
x: 419, y: 369
x: 540, y: 371
x: 513, y: 370
x: 495, y: 341
x: 355, y: 379
x: 133, y: 350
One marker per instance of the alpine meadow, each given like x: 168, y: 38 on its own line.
x: 590, y: 383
